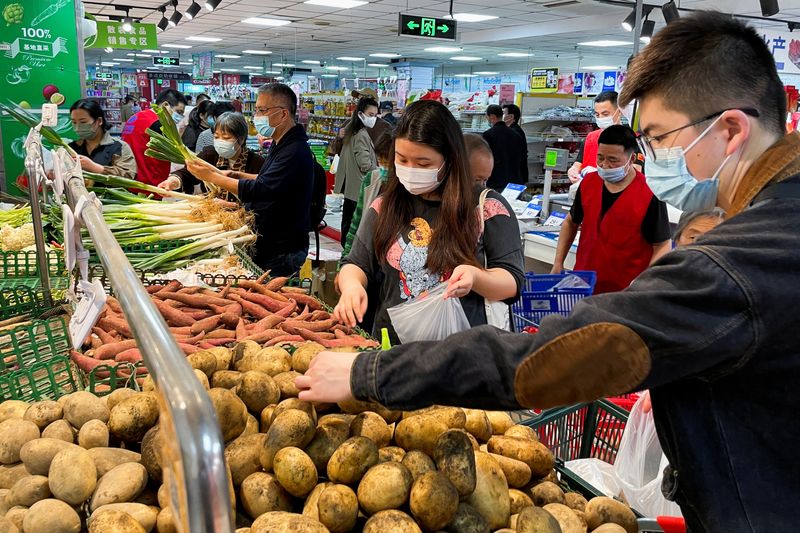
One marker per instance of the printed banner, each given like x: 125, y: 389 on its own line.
x: 112, y: 35
x: 785, y: 48
x: 203, y: 66
x: 544, y: 80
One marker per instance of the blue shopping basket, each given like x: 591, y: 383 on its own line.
x: 537, y: 299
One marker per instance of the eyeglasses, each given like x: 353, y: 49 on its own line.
x: 646, y: 143
x: 265, y: 110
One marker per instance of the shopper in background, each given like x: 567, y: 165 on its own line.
x: 696, y: 223
x: 356, y: 159
x: 708, y: 329
x: 126, y: 110
x: 509, y: 151
x: 481, y: 160
x: 280, y: 196
x: 97, y: 150
x: 198, y: 123
x: 511, y: 116
x: 606, y: 113
x: 425, y: 229
x: 187, y: 113
x: 151, y: 171
x: 237, y: 104
x: 206, y: 137
x: 624, y: 227
x: 387, y: 113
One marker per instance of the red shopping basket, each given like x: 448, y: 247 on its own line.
x: 539, y: 299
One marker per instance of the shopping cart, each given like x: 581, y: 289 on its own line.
x: 539, y: 299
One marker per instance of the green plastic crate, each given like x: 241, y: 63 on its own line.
x: 35, y: 362
x: 106, y: 379
x: 24, y: 265
x: 19, y: 300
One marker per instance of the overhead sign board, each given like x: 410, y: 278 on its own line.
x: 544, y: 80
x: 166, y: 61
x: 111, y: 34
x: 426, y: 27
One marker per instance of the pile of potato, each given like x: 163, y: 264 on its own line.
x: 85, y: 463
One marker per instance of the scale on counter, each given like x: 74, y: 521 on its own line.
x: 554, y: 159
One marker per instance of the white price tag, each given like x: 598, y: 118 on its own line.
x: 532, y: 210
x: 87, y: 310
x: 555, y: 219
x: 513, y: 191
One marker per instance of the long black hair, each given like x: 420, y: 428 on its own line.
x: 206, y: 107
x: 94, y: 109
x: 355, y: 122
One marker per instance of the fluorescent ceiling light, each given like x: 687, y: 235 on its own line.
x: 310, y: 62
x: 153, y: 52
x: 471, y: 17
x: 229, y: 70
x: 379, y: 65
x: 384, y: 54
x: 444, y: 49
x: 215, y: 71
x: 598, y: 67
x: 466, y: 58
x: 334, y: 67
x: 272, y: 72
x: 341, y: 4
x: 280, y: 78
x: 132, y: 54
x: 188, y: 60
x: 350, y: 58
x: 124, y: 60
x: 227, y: 56
x: 514, y: 54
x: 202, y: 39
x: 108, y: 64
x: 248, y: 67
x: 181, y: 46
x: 283, y: 64
x: 465, y: 76
x: 259, y: 21
x: 485, y: 72
x: 257, y: 52
x: 142, y: 55
x: 329, y: 76
x: 605, y: 43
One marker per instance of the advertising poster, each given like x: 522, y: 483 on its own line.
x: 609, y: 81
x: 39, y: 63
x: 592, y: 83
x: 785, y: 48
x: 578, y: 89
x: 566, y: 84
x: 507, y: 92
x: 111, y: 34
x: 203, y: 67
x: 544, y: 80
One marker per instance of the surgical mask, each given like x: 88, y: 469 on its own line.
x: 84, y: 131
x: 613, y: 175
x: 225, y: 149
x: 210, y: 121
x: 367, y: 121
x: 670, y: 180
x: 262, y: 126
x: 418, y: 180
x: 604, y: 122
x: 383, y: 172
x: 177, y: 117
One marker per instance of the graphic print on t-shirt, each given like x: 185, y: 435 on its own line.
x: 409, y: 260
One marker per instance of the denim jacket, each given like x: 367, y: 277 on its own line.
x: 709, y: 329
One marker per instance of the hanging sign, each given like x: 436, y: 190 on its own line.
x: 578, y: 87
x: 203, y: 66
x: 426, y: 27
x: 610, y: 81
x: 166, y: 61
x: 507, y: 91
x: 112, y: 35
x: 544, y: 80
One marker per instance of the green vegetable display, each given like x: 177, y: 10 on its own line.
x: 13, y: 13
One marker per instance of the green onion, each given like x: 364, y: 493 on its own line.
x: 118, y: 181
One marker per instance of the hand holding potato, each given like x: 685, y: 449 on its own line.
x: 328, y: 378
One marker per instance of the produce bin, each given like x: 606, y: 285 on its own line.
x: 20, y: 269
x: 20, y: 300
x: 539, y: 300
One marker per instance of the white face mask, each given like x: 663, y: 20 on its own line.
x: 418, y: 180
x: 604, y: 122
x: 367, y: 121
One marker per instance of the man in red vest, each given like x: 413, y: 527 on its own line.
x: 151, y: 171
x: 624, y: 227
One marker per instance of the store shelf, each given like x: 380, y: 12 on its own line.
x: 332, y: 117
x: 540, y: 118
x: 320, y: 136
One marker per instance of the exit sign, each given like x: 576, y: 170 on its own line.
x: 103, y: 76
x: 426, y: 27
x: 167, y: 61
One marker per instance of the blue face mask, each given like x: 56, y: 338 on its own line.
x: 210, y: 121
x: 177, y: 117
x: 262, y: 126
x: 225, y: 149
x: 613, y: 175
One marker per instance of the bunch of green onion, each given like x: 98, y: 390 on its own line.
x: 125, y: 183
x: 16, y: 217
x: 167, y: 145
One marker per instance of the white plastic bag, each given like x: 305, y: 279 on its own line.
x: 597, y: 473
x: 428, y: 317
x: 640, y: 465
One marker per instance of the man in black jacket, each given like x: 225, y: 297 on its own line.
x: 508, y: 149
x: 511, y: 116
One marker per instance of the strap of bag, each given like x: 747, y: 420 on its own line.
x: 481, y: 203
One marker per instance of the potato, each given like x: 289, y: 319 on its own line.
x: 261, y: 493
x: 519, y: 500
x: 93, y: 434
x: 372, y: 426
x: 117, y: 396
x: 391, y: 453
x: 231, y: 412
x: 243, y: 456
x: 517, y: 473
x: 122, y: 484
x: 285, y: 381
x: 13, y: 409
x: 546, y: 492
x: 165, y: 523
x: 295, y: 471
x: 266, y: 418
x: 454, y: 417
x: 392, y: 520
x: 384, y: 486
x: 38, y: 454
x: 609, y: 528
x: 500, y: 420
x: 303, y: 355
x: 257, y: 390
x: 295, y: 403
x: 224, y: 356
x: 467, y: 520
x: 149, y: 384
x: 338, y: 508
x: 290, y: 428
x: 478, y: 424
x: 14, y: 433
x: 327, y: 438
x: 311, y: 505
x: 202, y: 378
x: 251, y: 427
x: 533, y: 453
x: 132, y: 418
x: 6, y: 526
x: 148, y: 497
x: 204, y: 361
x: 10, y: 474
x: 568, y: 521
x: 73, y: 475
x: 419, y: 433
x: 61, y: 430
x: 337, y: 420
x: 418, y: 463
x: 151, y: 454
x: 604, y: 510
x: 114, y: 521
x: 226, y: 379
x: 433, y: 500
x: 51, y: 516
x: 82, y: 406
x: 355, y: 407
x: 16, y: 515
x: 4, y: 506
x: 286, y: 522
x: 522, y: 432
x: 582, y: 517
x: 272, y: 360
x: 490, y: 497
x: 455, y: 459
x: 351, y: 460
x: 537, y: 520
x: 28, y: 491
x: 44, y: 413
x: 575, y: 501
x: 107, y: 458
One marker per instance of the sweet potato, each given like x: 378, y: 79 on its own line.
x: 251, y: 308
x: 285, y: 338
x: 205, y: 325
x: 104, y: 336
x: 276, y: 284
x: 267, y: 323
x: 173, y: 316
x: 108, y: 323
x: 201, y: 301
x: 264, y: 301
x: 132, y: 355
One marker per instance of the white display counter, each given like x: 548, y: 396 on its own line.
x: 540, y: 252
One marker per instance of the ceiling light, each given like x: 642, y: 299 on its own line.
x: 283, y: 64
x: 443, y: 49
x: 598, y: 67
x: 127, y: 24
x: 163, y: 23
x: 230, y: 70
x: 378, y: 65
x: 605, y: 43
x: 193, y: 10
x: 280, y: 78
x: 341, y: 4
x: 465, y: 76
x: 670, y: 11
x: 272, y: 72
x: 514, y: 54
x: 201, y: 39
x: 248, y: 67
x: 485, y: 72
x: 310, y: 62
x: 108, y: 64
x: 257, y: 52
x: 629, y: 21
x: 154, y: 52
x: 386, y: 55
x: 176, y: 15
x: 329, y: 76
x: 227, y: 56
x: 465, y: 58
x: 211, y: 5
x: 123, y: 59
x: 769, y: 7
x: 130, y: 55
x: 350, y: 58
x: 181, y: 46
x: 142, y: 55
x: 334, y: 67
x: 109, y: 49
x: 259, y: 21
x: 648, y: 27
x: 471, y: 17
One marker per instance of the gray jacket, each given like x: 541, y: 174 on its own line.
x: 355, y: 161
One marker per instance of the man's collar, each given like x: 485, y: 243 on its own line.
x: 779, y: 162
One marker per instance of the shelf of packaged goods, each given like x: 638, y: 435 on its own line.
x: 533, y: 139
x: 321, y: 136
x: 540, y: 118
x: 114, y: 97
x: 333, y: 117
x: 473, y: 112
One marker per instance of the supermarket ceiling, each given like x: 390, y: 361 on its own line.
x: 546, y: 31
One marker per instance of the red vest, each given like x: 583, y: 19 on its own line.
x: 614, y: 247
x: 148, y: 170
x: 590, y: 149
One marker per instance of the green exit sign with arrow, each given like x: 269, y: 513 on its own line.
x: 427, y: 27
x: 167, y: 61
